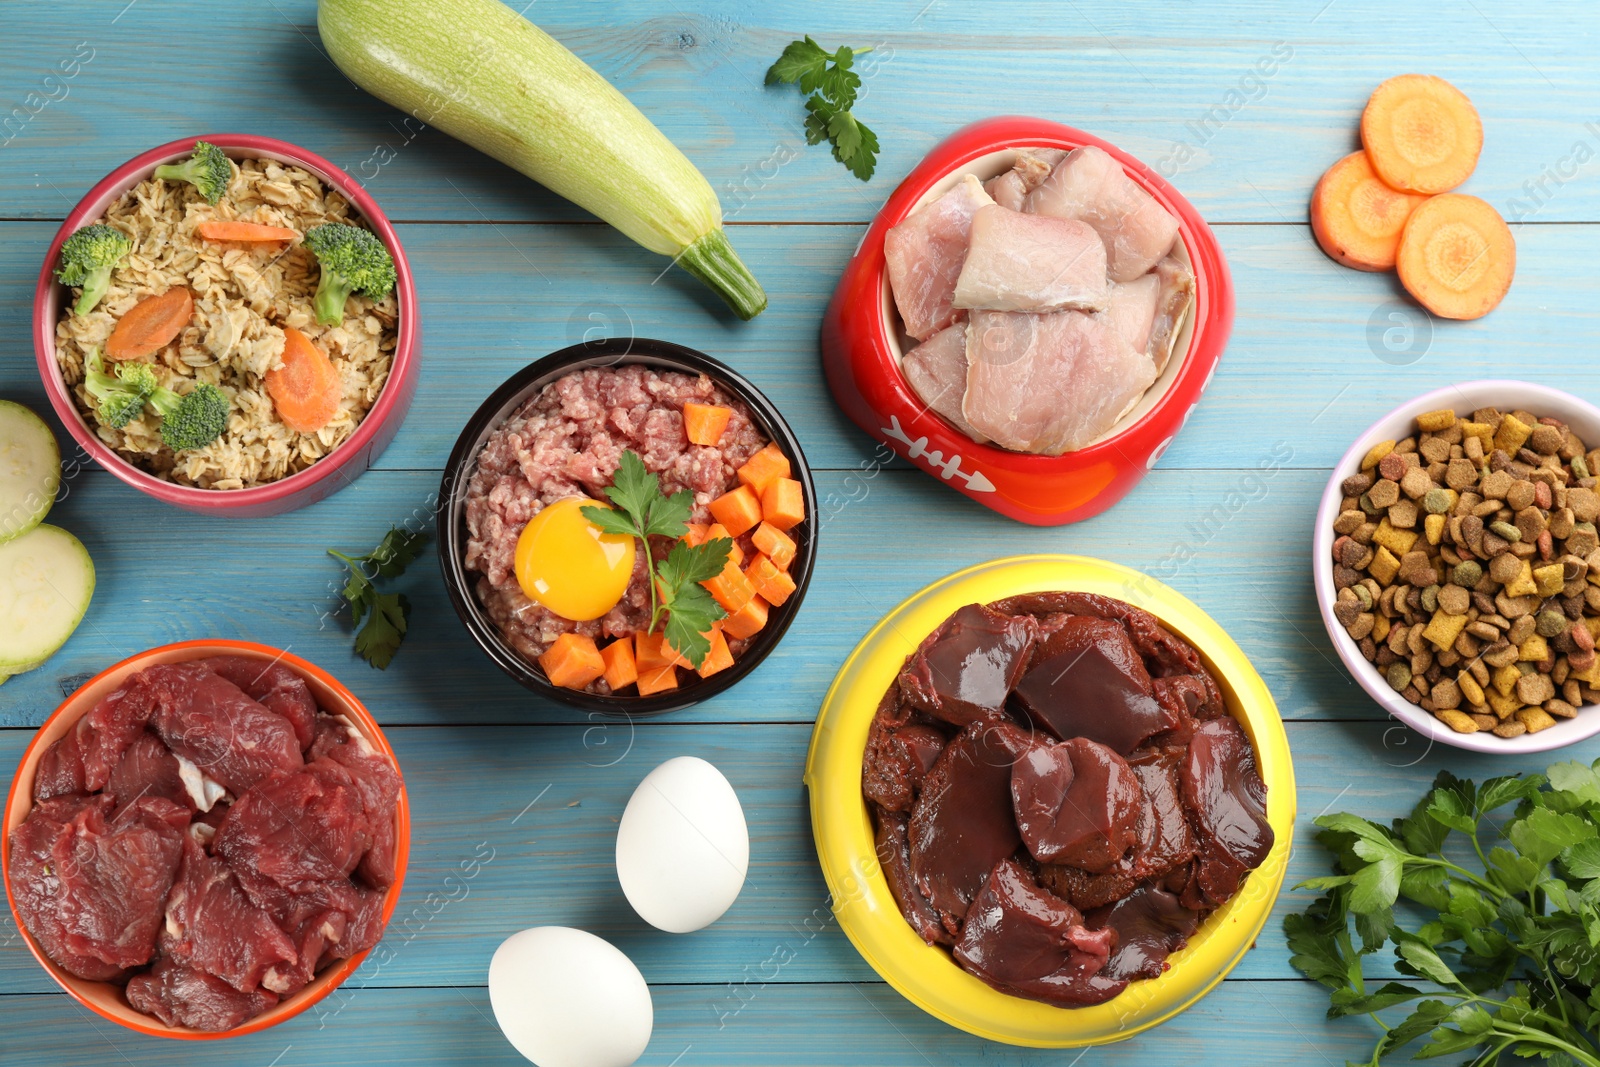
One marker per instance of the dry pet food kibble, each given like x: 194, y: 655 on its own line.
x: 1468, y: 568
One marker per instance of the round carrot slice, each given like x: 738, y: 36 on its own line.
x: 1357, y: 219
x: 305, y: 391
x: 150, y: 325
x: 1421, y: 133
x: 1457, y: 256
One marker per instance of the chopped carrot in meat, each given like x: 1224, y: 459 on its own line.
x: 306, y: 390
x: 572, y: 662
x: 716, y: 530
x: 652, y: 653
x: 776, y: 545
x: 250, y: 232
x: 748, y: 620
x: 1356, y: 218
x: 719, y: 658
x: 151, y: 324
x: 658, y: 680
x: 1457, y: 256
x: 622, y: 670
x: 731, y: 588
x: 1422, y: 134
x: 704, y: 423
x: 783, y: 503
x: 765, y: 465
x: 738, y: 510
x: 771, y: 584
x: 694, y: 533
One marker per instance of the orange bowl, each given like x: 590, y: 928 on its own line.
x: 105, y: 998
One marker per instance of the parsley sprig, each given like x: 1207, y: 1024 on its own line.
x: 386, y: 614
x: 1510, y: 945
x: 830, y: 86
x: 643, y: 511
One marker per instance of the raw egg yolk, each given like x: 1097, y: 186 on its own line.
x: 566, y: 563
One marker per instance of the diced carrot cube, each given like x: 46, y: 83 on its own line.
x: 622, y: 670
x: 738, y: 510
x: 731, y: 588
x: 572, y: 662
x: 748, y: 620
x: 653, y: 653
x: 703, y: 424
x: 694, y: 533
x: 775, y: 545
x: 783, y: 503
x: 658, y: 680
x: 719, y: 658
x: 764, y: 466
x: 771, y: 584
x: 717, y: 530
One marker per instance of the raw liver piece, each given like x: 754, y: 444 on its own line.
x: 924, y: 254
x: 963, y: 823
x: 209, y: 721
x: 964, y: 670
x: 148, y: 768
x: 213, y: 927
x: 1018, y: 262
x: 377, y: 783
x: 183, y: 996
x: 899, y: 753
x: 936, y: 370
x: 1089, y: 185
x: 1088, y: 680
x: 1164, y: 653
x: 297, y: 827
x: 1076, y: 803
x: 1150, y: 925
x: 1227, y: 803
x: 1049, y: 384
x: 894, y: 856
x: 276, y: 687
x: 1023, y: 940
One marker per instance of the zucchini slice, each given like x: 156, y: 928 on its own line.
x: 30, y: 470
x: 46, y: 582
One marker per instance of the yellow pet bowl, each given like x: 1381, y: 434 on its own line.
x: 927, y: 975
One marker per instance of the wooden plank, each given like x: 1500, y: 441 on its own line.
x: 532, y: 813
x: 1150, y: 77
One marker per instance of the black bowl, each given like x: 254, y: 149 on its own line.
x: 523, y: 385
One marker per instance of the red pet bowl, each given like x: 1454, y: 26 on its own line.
x: 323, y: 477
x: 861, y: 348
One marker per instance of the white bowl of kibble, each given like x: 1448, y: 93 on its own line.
x: 1506, y: 663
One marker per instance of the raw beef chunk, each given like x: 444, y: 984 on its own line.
x: 209, y: 721
x: 275, y: 687
x: 183, y: 996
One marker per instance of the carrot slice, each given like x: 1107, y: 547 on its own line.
x: 731, y: 588
x: 658, y: 680
x: 719, y: 658
x: 251, y: 232
x: 306, y: 390
x: 1357, y: 219
x: 776, y: 545
x: 765, y: 465
x: 694, y: 533
x: 1457, y: 256
x: 738, y: 510
x: 622, y: 670
x: 748, y: 620
x: 704, y: 423
x: 735, y: 553
x: 572, y: 662
x: 771, y: 584
x: 151, y: 324
x: 1421, y: 133
x: 652, y: 653
x: 783, y: 503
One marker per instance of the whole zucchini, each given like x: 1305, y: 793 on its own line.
x: 485, y: 75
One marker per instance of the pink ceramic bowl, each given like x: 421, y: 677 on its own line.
x: 322, y: 478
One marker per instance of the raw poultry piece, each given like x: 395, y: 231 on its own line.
x: 1091, y: 186
x: 937, y: 372
x: 1033, y: 165
x: 1018, y: 262
x: 924, y: 254
x: 1049, y: 383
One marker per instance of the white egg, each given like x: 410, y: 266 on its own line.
x: 566, y: 998
x: 683, y: 847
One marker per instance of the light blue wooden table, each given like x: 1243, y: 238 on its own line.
x: 507, y: 272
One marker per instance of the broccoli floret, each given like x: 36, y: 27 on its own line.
x: 87, y: 258
x: 193, y: 419
x: 352, y: 260
x: 207, y: 170
x: 119, y: 397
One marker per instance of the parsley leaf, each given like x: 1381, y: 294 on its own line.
x: 385, y: 614
x: 830, y: 86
